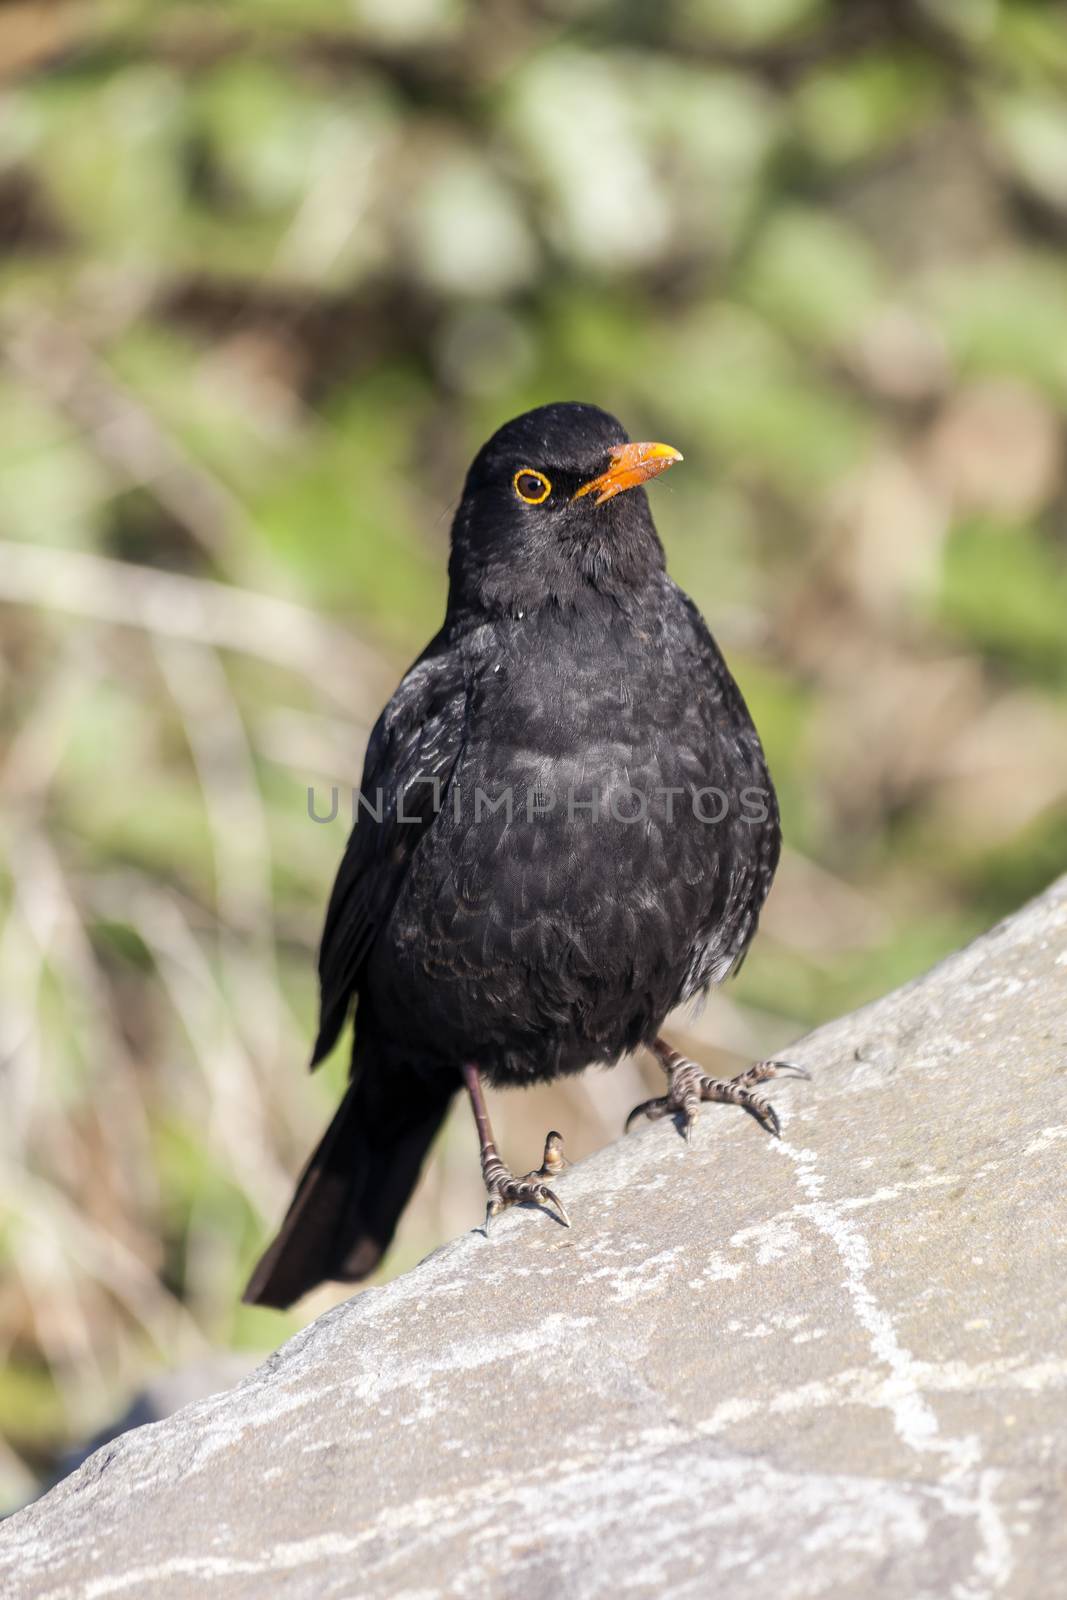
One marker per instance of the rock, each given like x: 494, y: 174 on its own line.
x: 164, y: 1394
x: 832, y: 1366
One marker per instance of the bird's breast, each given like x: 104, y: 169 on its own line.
x: 569, y: 819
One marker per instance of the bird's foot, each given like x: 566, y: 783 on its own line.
x: 688, y: 1087
x: 504, y: 1189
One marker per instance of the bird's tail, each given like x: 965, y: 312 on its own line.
x: 351, y: 1193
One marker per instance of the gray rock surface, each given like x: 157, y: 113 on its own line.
x: 165, y: 1393
x: 833, y: 1366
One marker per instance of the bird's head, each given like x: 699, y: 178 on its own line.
x: 552, y: 508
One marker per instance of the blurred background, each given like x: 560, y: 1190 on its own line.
x: 269, y: 274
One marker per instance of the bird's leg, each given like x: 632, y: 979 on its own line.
x: 502, y: 1187
x: 688, y: 1086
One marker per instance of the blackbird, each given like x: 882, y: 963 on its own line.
x: 566, y: 828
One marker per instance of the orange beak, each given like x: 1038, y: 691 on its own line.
x: 631, y: 464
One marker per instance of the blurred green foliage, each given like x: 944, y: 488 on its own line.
x: 269, y: 274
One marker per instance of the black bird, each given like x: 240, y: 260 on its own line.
x: 567, y: 827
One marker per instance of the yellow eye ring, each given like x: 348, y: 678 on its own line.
x: 540, y: 484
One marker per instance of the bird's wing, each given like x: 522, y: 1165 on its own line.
x: 740, y: 876
x: 410, y: 757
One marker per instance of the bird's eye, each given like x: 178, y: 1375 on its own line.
x: 531, y: 486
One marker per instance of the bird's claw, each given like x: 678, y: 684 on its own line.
x: 507, y: 1190
x: 652, y: 1109
x: 688, y: 1087
x: 772, y: 1069
x: 519, y: 1191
